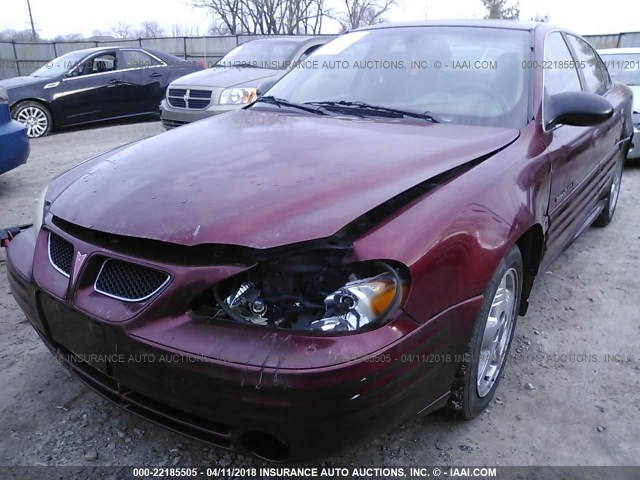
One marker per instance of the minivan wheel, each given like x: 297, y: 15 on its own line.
x: 34, y: 116
x: 484, y: 361
x: 609, y: 210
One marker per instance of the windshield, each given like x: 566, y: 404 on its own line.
x: 273, y: 54
x: 457, y: 74
x: 623, y: 67
x: 58, y: 66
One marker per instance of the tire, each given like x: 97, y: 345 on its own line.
x: 609, y: 210
x: 470, y: 396
x: 34, y: 116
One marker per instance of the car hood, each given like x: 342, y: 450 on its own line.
x: 17, y: 82
x: 261, y: 179
x: 225, y: 77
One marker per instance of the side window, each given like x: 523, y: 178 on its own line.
x: 104, y: 62
x: 595, y: 75
x: 138, y: 59
x: 560, y: 74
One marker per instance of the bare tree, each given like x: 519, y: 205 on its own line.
x: 264, y: 16
x: 501, y: 9
x: 151, y: 30
x: 69, y: 37
x: 360, y: 13
x: 24, y: 36
x: 540, y: 18
x: 122, y: 30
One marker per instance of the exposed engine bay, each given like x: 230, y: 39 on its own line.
x: 311, y: 291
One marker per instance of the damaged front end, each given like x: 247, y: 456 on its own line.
x: 319, y: 286
x: 314, y: 291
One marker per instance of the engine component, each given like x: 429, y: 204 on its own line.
x: 234, y: 300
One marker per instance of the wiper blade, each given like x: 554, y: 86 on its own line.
x: 366, y: 107
x: 281, y: 102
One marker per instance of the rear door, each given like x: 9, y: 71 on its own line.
x: 145, y: 79
x: 91, y: 91
x: 596, y: 80
x: 573, y: 152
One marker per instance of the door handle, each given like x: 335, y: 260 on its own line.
x: 156, y: 74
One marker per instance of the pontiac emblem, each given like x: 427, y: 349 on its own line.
x: 77, y: 265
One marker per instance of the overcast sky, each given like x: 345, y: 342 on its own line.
x: 59, y: 17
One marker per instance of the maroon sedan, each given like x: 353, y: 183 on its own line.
x: 350, y: 251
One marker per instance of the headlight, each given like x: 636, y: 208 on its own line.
x: 38, y: 214
x: 362, y: 302
x: 237, y: 96
x: 311, y: 291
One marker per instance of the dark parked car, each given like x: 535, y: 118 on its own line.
x: 624, y: 66
x: 346, y: 253
x: 91, y: 85
x: 14, y: 143
x: 233, y: 82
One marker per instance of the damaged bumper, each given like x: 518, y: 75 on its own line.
x: 276, y: 395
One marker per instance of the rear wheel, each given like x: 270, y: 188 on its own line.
x: 609, y: 210
x: 34, y: 116
x: 479, y: 374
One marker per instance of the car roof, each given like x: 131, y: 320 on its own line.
x: 294, y: 38
x: 485, y: 23
x: 89, y: 51
x: 605, y: 51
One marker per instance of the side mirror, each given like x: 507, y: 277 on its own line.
x: 264, y: 86
x: 580, y: 109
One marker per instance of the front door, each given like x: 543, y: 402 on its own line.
x: 90, y: 91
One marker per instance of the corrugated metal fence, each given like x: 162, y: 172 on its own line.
x: 18, y: 58
x: 615, y: 40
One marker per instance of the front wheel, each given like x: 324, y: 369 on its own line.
x: 479, y: 372
x: 34, y: 116
x: 609, y: 210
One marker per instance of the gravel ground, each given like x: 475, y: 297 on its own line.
x: 569, y: 395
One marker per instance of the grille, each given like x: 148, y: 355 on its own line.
x: 187, y: 98
x: 60, y: 254
x: 177, y: 102
x: 193, y: 103
x: 200, y: 94
x: 129, y: 282
x: 172, y: 123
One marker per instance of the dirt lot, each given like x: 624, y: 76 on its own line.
x: 562, y: 400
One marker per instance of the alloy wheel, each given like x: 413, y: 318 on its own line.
x: 615, y: 189
x: 35, y: 121
x: 497, y: 332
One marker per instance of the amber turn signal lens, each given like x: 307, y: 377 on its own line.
x: 386, y: 290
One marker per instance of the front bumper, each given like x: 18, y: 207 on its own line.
x: 267, y: 393
x: 174, y: 117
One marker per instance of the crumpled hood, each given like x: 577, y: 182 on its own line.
x: 224, y: 77
x: 261, y: 179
